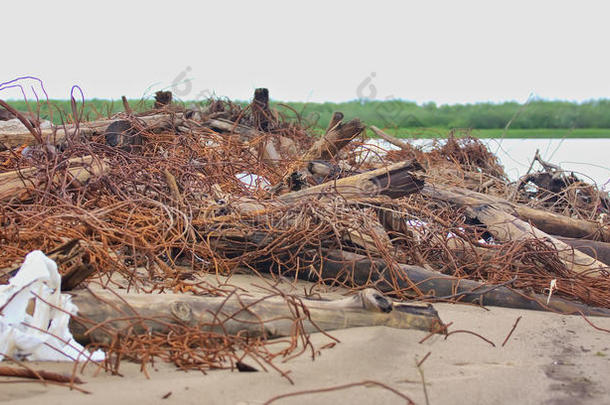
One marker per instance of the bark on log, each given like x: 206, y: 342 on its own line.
x: 506, y: 227
x: 546, y: 221
x: 337, y: 136
x: 163, y: 99
x: 593, y: 248
x: 333, y: 141
x: 335, y: 120
x: 64, y: 256
x: 395, y: 181
x: 359, y: 270
x: 122, y: 134
x: 562, y: 225
x: 19, y: 183
x: 240, y: 315
x: 260, y: 109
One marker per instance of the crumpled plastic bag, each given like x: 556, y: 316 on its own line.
x: 34, y: 315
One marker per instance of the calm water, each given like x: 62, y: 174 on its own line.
x: 587, y: 158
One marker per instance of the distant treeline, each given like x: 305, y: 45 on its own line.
x: 404, y: 114
x: 400, y: 114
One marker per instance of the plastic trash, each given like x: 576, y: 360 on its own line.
x: 34, y: 315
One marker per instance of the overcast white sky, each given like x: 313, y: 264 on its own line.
x: 442, y: 51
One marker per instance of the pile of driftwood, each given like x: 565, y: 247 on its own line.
x: 142, y: 203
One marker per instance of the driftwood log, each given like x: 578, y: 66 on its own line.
x: 549, y: 222
x: 596, y: 249
x: 72, y: 261
x: 57, y: 134
x: 239, y: 315
x: 391, y: 139
x: 261, y: 113
x: 506, y: 227
x: 337, y: 136
x: 19, y: 183
x: 360, y: 270
x: 266, y: 150
x: 395, y: 181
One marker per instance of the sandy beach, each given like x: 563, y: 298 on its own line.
x: 549, y: 359
x: 255, y: 203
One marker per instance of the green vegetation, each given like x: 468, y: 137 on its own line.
x: 541, y: 133
x: 403, y: 114
x: 538, y: 119
x: 94, y: 108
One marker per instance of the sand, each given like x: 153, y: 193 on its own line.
x: 549, y: 359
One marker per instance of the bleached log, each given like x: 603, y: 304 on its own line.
x: 57, y: 134
x: 391, y: 139
x: 19, y: 183
x: 506, y: 227
x: 395, y: 181
x: 549, y: 222
x: 239, y: 315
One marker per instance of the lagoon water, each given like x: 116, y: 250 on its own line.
x: 587, y: 158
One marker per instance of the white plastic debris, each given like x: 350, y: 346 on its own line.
x: 253, y: 181
x: 34, y: 315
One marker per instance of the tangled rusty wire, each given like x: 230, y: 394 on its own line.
x: 206, y: 345
x: 190, y: 199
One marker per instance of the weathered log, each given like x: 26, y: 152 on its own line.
x: 391, y: 139
x: 506, y: 227
x: 267, y: 150
x: 549, y: 222
x: 122, y: 134
x: 337, y: 136
x: 596, y: 249
x: 333, y: 141
x: 335, y: 120
x: 35, y: 134
x: 5, y: 115
x: 562, y: 225
x: 163, y: 99
x: 260, y: 109
x: 395, y: 181
x: 240, y: 315
x: 357, y: 270
x: 233, y: 127
x: 57, y: 134
x: 126, y: 105
x: 19, y: 183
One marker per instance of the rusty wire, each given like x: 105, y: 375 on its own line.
x: 174, y: 207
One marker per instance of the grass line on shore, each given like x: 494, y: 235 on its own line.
x: 96, y: 109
